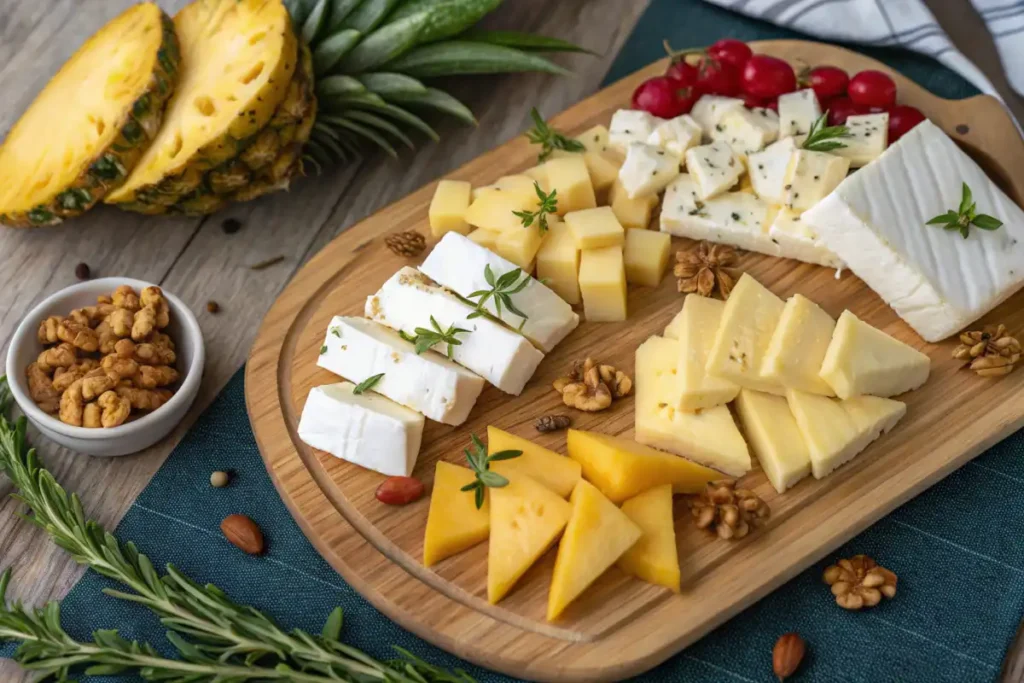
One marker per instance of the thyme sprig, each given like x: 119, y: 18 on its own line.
x: 965, y: 216
x: 502, y: 289
x: 548, y: 138
x: 367, y: 384
x: 428, y: 338
x: 822, y: 138
x: 480, y: 463
x: 548, y: 204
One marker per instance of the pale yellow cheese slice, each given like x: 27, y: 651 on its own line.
x: 695, y: 388
x: 798, y: 346
x: 774, y: 438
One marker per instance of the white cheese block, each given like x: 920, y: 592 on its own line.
x: 934, y: 279
x: 747, y: 130
x: 647, y: 170
x: 796, y: 240
x: 676, y: 135
x: 709, y: 109
x: 736, y: 218
x: 631, y: 125
x: 767, y: 170
x: 365, y: 429
x: 810, y: 177
x: 797, y: 112
x: 715, y: 167
x: 868, y: 138
x: 358, y: 349
x: 460, y: 264
x: 409, y: 300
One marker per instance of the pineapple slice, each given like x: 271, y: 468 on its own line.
x: 239, y: 60
x: 90, y: 125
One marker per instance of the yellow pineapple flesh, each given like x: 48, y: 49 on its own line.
x: 89, y: 127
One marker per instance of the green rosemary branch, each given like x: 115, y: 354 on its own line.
x: 825, y: 138
x: 548, y: 138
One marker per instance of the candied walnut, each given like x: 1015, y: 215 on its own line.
x: 154, y: 354
x: 859, y: 582
x: 40, y: 388
x: 79, y: 317
x: 115, y: 409
x: 153, y: 376
x: 121, y: 321
x: 97, y: 382
x: 63, y: 377
x: 124, y: 368
x: 161, y: 339
x: 144, y: 324
x: 91, y: 416
x: 79, y: 336
x: 95, y: 314
x: 124, y: 348
x: 153, y: 297
x: 104, y: 299
x: 60, y: 356
x: 125, y: 297
x: 106, y: 336
x: 72, y: 406
x: 48, y: 330
x: 144, y: 399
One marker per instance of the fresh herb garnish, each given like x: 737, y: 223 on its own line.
x: 822, y: 138
x: 323, y: 349
x: 548, y: 138
x: 480, y: 462
x: 548, y: 204
x: 367, y: 384
x: 336, y: 331
x: 406, y: 336
x: 426, y: 339
x: 965, y: 216
x: 501, y: 290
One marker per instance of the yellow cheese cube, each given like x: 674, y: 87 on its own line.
x: 798, y: 347
x: 603, y: 284
x: 448, y: 208
x: 569, y: 176
x: 595, y: 139
x: 539, y: 175
x: 520, y: 184
x: 557, y: 472
x: 774, y: 437
x: 632, y: 213
x: 520, y: 246
x: 485, y: 238
x: 558, y: 262
x: 494, y: 209
x: 645, y: 255
x: 695, y: 327
x: 654, y: 558
x: 595, y: 228
x: 454, y: 522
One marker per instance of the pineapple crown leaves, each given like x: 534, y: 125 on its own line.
x: 548, y: 204
x: 823, y: 138
x: 548, y: 138
x: 502, y: 289
x: 965, y: 216
x: 480, y: 463
x: 426, y: 339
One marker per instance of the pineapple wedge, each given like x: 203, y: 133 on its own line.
x: 90, y: 125
x: 239, y: 60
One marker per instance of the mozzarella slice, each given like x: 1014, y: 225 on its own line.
x: 869, y: 136
x: 410, y: 301
x: 797, y: 112
x: 810, y: 176
x: 365, y: 429
x: 676, y: 135
x: 630, y: 125
x: 747, y: 130
x: 710, y: 108
x: 460, y: 265
x: 647, y: 170
x: 715, y: 167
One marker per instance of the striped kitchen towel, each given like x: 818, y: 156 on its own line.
x: 900, y: 23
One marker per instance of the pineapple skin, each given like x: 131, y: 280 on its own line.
x: 111, y: 166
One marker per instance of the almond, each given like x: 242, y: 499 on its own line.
x: 243, y: 533
x: 787, y: 654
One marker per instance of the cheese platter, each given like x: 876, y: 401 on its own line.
x: 822, y: 385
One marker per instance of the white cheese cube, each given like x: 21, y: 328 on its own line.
x: 869, y: 136
x: 410, y: 301
x: 715, y: 167
x: 767, y: 170
x: 710, y: 108
x: 460, y: 265
x: 797, y: 112
x: 647, y: 170
x: 736, y: 218
x: 934, y: 279
x: 796, y: 240
x: 676, y: 135
x: 810, y: 177
x: 631, y: 125
x: 365, y: 429
x: 358, y: 349
x: 747, y: 130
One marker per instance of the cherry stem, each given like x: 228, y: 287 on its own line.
x: 676, y: 55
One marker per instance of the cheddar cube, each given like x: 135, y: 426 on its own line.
x: 632, y: 213
x: 538, y: 174
x: 520, y: 246
x: 485, y: 238
x: 520, y: 183
x: 603, y: 284
x: 448, y: 208
x: 558, y: 262
x: 570, y: 178
x: 494, y: 209
x: 595, y: 228
x: 646, y: 256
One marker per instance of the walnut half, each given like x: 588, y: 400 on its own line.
x: 592, y: 386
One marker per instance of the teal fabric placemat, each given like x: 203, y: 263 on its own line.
x: 956, y: 548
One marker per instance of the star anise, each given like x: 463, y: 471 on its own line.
x: 707, y: 267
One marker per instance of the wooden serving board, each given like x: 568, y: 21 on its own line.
x: 621, y: 626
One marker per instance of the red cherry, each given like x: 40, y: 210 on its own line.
x: 768, y: 77
x: 827, y: 82
x: 872, y: 89
x: 718, y: 78
x: 731, y: 51
x: 681, y: 72
x: 839, y: 108
x: 901, y: 119
x: 664, y: 97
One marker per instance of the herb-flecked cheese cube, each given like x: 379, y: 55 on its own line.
x: 868, y: 138
x: 810, y: 177
x: 767, y: 170
x: 630, y: 125
x: 747, y: 130
x: 647, y: 170
x: 676, y: 135
x: 797, y: 112
x: 710, y: 108
x: 715, y: 167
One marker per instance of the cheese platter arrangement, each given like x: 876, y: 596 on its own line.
x: 568, y: 409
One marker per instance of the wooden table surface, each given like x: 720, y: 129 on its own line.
x: 198, y: 261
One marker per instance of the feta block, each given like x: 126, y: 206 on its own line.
x: 631, y: 213
x: 630, y: 125
x: 869, y: 136
x: 796, y: 240
x: 775, y: 438
x: 447, y: 211
x: 558, y: 263
x: 695, y: 326
x: 767, y: 170
x: 798, y: 347
x: 595, y: 228
x: 810, y: 176
x: 715, y: 167
x: 709, y: 109
x: 603, y: 284
x: 736, y: 218
x: 358, y: 349
x: 460, y: 265
x: 797, y: 113
x: 645, y: 256
x: 747, y: 130
x: 569, y: 177
x: 365, y: 429
x: 410, y: 301
x: 934, y: 279
x: 677, y: 135
x: 647, y: 170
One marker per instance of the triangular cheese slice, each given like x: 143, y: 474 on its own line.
x: 453, y: 523
x: 774, y: 437
x: 874, y: 416
x: 695, y: 388
x: 526, y: 519
x: 598, y: 534
x: 551, y: 469
x: 654, y: 557
x: 864, y: 360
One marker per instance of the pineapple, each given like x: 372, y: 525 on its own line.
x: 57, y: 162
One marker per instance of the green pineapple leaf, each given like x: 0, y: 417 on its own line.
x: 527, y: 42
x: 388, y: 84
x: 459, y: 57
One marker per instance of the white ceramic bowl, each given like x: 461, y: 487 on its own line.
x: 130, y: 437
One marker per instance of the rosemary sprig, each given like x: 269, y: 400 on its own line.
x: 367, y: 384
x: 822, y: 138
x: 501, y: 291
x: 426, y: 339
x: 965, y: 216
x: 548, y: 138
x: 548, y: 204
x: 480, y: 462
x: 226, y: 640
